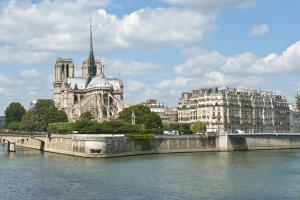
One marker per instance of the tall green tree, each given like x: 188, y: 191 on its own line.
x: 153, y: 120
x: 198, y: 126
x: 14, y: 113
x: 140, y: 112
x: 43, y: 113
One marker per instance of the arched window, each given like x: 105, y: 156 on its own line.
x: 105, y: 99
x: 111, y: 101
x: 62, y: 71
x: 104, y: 112
x: 67, y: 70
x: 75, y: 99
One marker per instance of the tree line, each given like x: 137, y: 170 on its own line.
x: 44, y: 116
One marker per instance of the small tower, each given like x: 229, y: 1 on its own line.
x: 133, y: 118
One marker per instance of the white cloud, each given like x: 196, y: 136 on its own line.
x: 5, y: 93
x: 211, y: 5
x: 29, y: 85
x: 134, y: 86
x: 201, y: 62
x: 31, y: 73
x: 260, y: 29
x: 10, y: 55
x: 277, y: 72
x: 4, y: 80
x: 130, y: 67
x: 54, y: 26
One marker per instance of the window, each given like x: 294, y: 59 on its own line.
x: 95, y: 151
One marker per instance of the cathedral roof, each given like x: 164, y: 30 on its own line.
x: 76, y: 83
x: 102, y: 82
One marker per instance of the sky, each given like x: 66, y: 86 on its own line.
x: 159, y: 48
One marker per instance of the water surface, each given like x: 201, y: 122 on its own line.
x: 29, y: 174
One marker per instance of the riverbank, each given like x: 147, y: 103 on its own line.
x: 102, y: 146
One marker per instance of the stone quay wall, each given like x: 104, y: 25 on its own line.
x: 95, y: 146
x: 262, y: 141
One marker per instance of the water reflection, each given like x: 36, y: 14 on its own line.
x: 30, y: 174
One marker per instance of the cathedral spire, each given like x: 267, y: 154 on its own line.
x: 91, y: 59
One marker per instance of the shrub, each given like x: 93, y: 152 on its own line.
x: 141, y: 140
x: 61, y: 128
x: 153, y: 131
x: 17, y: 126
x: 90, y: 127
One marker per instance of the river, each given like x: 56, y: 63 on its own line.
x: 30, y: 174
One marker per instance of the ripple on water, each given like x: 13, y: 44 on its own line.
x: 29, y: 174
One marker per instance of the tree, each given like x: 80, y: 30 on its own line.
x: 140, y: 112
x: 14, y: 113
x: 153, y: 120
x: 31, y: 121
x: 198, y: 126
x: 43, y: 113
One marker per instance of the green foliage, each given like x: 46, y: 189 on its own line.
x: 171, y: 126
x: 140, y: 112
x: 198, y: 126
x: 61, y: 128
x: 142, y: 140
x: 153, y: 120
x: 16, y: 126
x: 38, y: 118
x: 153, y: 131
x: 182, y: 128
x: 14, y: 113
x: 86, y: 116
x: 90, y: 127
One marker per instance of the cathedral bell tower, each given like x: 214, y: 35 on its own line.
x: 64, y: 68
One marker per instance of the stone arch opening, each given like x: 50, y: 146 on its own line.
x: 105, y: 99
x: 62, y: 71
x: 67, y: 70
x: 104, y: 112
x: 75, y: 99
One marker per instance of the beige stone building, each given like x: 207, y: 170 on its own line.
x: 234, y: 110
x: 92, y: 92
x: 166, y: 114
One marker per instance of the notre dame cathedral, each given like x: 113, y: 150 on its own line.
x: 92, y: 92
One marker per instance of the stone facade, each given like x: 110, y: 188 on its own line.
x: 293, y: 118
x: 166, y: 114
x: 92, y: 92
x: 234, y: 110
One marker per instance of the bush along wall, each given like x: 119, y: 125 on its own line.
x: 144, y: 141
x: 90, y: 127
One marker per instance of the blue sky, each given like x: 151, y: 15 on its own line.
x: 159, y: 48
